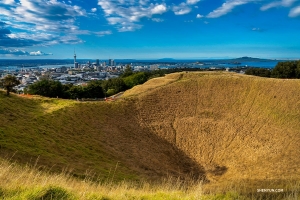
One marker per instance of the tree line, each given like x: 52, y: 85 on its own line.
x: 289, y: 69
x: 96, y: 88
x: 105, y: 88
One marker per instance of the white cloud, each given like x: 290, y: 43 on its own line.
x: 20, y: 52
x: 282, y: 3
x: 295, y: 12
x: 8, y: 2
x: 157, y: 20
x: 17, y: 52
x: 199, y: 16
x: 102, y: 33
x: 39, y: 53
x: 41, y: 21
x: 125, y: 14
x: 192, y: 2
x: 181, y: 9
x: 159, y: 9
x: 227, y: 7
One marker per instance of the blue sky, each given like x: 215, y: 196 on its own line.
x: 149, y: 29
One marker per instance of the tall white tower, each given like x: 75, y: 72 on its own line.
x: 74, y: 59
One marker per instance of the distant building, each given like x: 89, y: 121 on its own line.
x: 111, y: 62
x: 97, y: 62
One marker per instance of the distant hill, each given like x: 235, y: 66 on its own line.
x: 223, y: 126
x: 166, y: 59
x: 249, y: 59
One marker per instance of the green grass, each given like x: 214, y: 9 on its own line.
x: 54, y: 132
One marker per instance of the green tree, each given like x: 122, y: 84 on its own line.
x: 94, y: 90
x: 117, y: 84
x: 127, y: 72
x: 47, y: 88
x: 258, y: 72
x: 8, y: 82
x: 75, y: 92
x: 135, y: 79
x: 285, y: 70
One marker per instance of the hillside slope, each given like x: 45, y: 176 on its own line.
x: 237, y: 127
x: 223, y: 126
x: 98, y: 139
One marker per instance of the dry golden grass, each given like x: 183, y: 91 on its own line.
x: 241, y: 133
x: 28, y: 182
x: 152, y: 84
x: 237, y: 127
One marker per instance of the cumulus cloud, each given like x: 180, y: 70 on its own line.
x: 159, y: 9
x: 199, y: 16
x: 227, y: 7
x: 39, y: 53
x: 94, y: 9
x: 39, y: 22
x: 182, y: 9
x: 7, y: 39
x: 126, y: 14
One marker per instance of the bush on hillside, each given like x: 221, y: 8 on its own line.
x: 290, y: 69
x: 258, y: 72
x: 47, y: 88
x: 8, y: 82
x: 117, y: 84
x: 135, y: 79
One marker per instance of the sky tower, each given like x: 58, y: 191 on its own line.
x: 74, y: 59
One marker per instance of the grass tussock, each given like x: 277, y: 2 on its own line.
x: 29, y: 182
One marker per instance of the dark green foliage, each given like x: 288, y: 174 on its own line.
x: 136, y: 79
x: 117, y: 84
x: 47, y: 88
x: 290, y: 69
x: 8, y: 82
x: 258, y: 72
x: 128, y: 71
x: 50, y: 88
x: 75, y: 92
x: 93, y: 90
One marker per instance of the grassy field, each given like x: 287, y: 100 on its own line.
x: 235, y: 133
x: 30, y: 182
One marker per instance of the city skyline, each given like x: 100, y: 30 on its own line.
x: 148, y: 29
